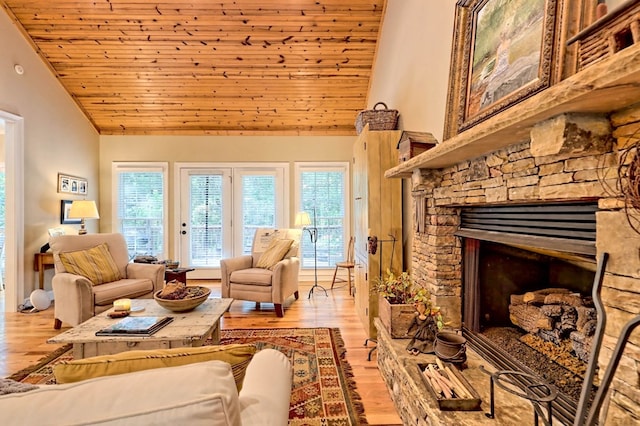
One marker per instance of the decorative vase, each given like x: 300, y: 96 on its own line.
x: 396, y: 318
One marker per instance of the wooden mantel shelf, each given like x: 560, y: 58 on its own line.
x: 609, y: 85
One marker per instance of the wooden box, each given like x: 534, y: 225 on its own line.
x: 396, y: 318
x: 453, y: 404
x: 414, y: 143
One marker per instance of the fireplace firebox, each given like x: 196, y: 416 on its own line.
x: 544, y: 255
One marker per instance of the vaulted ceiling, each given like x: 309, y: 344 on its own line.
x: 242, y: 67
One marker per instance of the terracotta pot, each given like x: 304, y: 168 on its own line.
x: 395, y: 317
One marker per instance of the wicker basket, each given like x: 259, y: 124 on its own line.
x: 378, y: 119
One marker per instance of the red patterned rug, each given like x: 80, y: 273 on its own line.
x: 323, y: 392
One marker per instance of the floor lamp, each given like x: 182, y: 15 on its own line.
x: 303, y: 220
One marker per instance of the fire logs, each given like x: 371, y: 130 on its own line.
x: 556, y: 315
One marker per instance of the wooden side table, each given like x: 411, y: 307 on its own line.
x: 179, y: 274
x: 42, y: 261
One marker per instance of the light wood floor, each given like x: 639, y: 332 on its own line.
x: 24, y: 338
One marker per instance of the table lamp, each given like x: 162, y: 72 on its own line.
x: 83, y: 209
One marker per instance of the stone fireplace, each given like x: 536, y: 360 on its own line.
x: 576, y: 164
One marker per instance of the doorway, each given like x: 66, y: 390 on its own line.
x: 2, y: 209
x: 13, y: 245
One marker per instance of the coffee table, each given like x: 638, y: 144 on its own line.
x: 187, y: 329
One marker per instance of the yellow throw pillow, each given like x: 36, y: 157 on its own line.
x: 96, y: 264
x: 274, y: 253
x: 238, y: 355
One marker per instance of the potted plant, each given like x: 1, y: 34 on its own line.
x: 396, y: 299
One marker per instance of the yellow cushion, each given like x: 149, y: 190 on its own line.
x: 237, y: 355
x: 96, y: 264
x: 274, y: 253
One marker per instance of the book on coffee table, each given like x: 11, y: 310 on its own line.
x: 135, y: 326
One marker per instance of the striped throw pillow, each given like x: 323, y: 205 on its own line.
x: 274, y: 253
x: 238, y: 355
x: 96, y: 264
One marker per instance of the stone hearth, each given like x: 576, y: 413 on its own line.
x: 414, y: 402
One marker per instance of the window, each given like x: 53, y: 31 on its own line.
x: 322, y: 191
x: 260, y: 202
x: 206, y: 215
x: 140, y: 207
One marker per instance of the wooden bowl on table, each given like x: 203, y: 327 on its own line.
x: 196, y: 296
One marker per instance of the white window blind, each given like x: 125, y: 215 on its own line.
x: 141, y: 208
x: 206, y: 219
x: 258, y: 206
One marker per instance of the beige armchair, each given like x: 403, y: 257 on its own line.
x: 104, y: 276
x: 248, y: 277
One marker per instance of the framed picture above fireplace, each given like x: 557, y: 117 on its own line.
x: 502, y: 54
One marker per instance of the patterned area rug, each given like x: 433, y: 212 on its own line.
x: 323, y: 392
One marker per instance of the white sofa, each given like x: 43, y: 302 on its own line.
x: 195, y: 394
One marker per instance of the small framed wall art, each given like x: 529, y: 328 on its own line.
x: 65, y: 206
x: 72, y: 184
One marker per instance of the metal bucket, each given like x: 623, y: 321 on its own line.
x: 450, y: 347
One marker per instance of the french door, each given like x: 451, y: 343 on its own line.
x: 220, y: 209
x: 205, y: 208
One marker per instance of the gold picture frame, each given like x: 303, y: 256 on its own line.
x: 502, y: 53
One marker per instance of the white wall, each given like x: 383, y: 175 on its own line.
x: 411, y: 74
x: 412, y: 65
x: 57, y: 138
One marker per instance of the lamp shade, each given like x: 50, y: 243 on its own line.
x: 302, y: 219
x: 83, y: 209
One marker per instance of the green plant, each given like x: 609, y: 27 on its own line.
x: 396, y: 288
x: 399, y: 289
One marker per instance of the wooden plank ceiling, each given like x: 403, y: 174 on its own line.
x: 290, y: 67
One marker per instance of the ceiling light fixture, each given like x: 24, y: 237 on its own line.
x: 19, y: 69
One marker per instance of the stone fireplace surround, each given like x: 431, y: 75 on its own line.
x: 582, y: 166
x: 563, y: 143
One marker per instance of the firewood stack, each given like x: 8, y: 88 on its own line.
x: 554, y: 315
